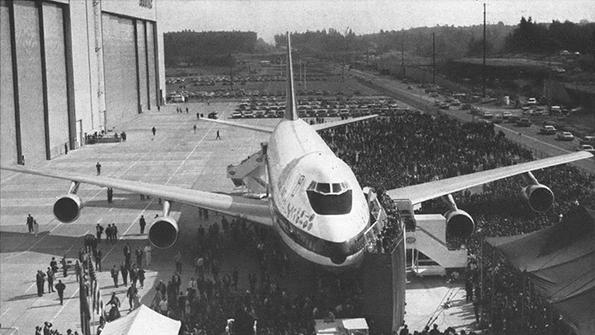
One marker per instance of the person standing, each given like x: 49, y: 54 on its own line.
x: 98, y: 257
x: 64, y: 267
x: 39, y: 280
x: 114, y: 232
x: 133, y: 275
x: 98, y: 168
x: 60, y: 287
x: 218, y: 137
x: 142, y: 224
x: 141, y: 277
x: 154, y: 130
x: 35, y: 227
x: 178, y: 259
x: 131, y: 295
x: 98, y: 232
x: 51, y: 278
x: 124, y: 271
x: 127, y: 255
x: 194, y: 129
x: 30, y: 223
x: 148, y: 254
x: 114, y: 273
x: 110, y: 195
x: 139, y: 256
x: 77, y: 270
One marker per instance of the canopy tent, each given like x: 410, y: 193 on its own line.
x: 142, y: 321
x: 560, y: 262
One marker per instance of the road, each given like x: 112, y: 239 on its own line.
x: 541, y: 146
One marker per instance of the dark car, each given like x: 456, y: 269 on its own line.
x: 213, y: 115
x: 523, y: 122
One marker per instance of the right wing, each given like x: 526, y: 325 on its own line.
x: 434, y: 189
x: 250, y: 209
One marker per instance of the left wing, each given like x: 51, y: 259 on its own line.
x: 251, y: 209
x: 261, y: 129
x: 326, y: 125
x: 434, y: 189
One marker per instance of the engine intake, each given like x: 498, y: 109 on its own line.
x: 163, y: 232
x: 539, y: 197
x: 459, y: 224
x: 67, y: 208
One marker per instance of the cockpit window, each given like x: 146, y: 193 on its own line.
x: 330, y: 199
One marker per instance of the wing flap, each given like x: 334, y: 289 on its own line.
x: 251, y: 209
x: 430, y: 190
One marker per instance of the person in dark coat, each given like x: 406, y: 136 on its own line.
x: 139, y: 256
x: 127, y: 255
x: 142, y: 224
x: 99, y: 231
x: 124, y: 271
x: 98, y: 168
x: 114, y: 274
x: 40, y: 280
x: 51, y: 277
x: 141, y: 277
x: 60, y: 287
x: 30, y: 223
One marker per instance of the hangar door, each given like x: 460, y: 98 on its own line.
x: 120, y: 67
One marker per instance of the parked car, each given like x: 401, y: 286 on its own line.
x: 523, y: 122
x: 586, y: 147
x: 213, y: 115
x: 531, y: 101
x: 564, y: 136
x: 547, y: 130
x: 589, y: 139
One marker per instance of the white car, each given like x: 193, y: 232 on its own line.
x: 586, y: 147
x: 532, y: 101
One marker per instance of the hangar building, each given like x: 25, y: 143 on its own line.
x: 74, y: 67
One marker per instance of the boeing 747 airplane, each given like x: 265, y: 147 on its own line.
x: 307, y: 194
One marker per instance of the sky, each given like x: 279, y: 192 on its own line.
x: 270, y: 17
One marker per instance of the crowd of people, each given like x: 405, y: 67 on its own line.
x: 214, y: 300
x: 391, y: 152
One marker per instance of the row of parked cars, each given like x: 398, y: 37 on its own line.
x: 271, y: 107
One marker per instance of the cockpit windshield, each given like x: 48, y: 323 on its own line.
x: 330, y: 199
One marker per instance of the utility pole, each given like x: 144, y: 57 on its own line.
x: 484, y: 50
x: 433, y: 58
x: 403, y: 56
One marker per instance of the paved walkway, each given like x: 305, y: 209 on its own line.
x: 174, y: 156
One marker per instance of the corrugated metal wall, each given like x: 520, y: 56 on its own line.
x: 120, y: 67
x: 30, y: 85
x: 57, y: 89
x: 8, y: 149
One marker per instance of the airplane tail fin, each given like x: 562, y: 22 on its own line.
x: 291, y: 112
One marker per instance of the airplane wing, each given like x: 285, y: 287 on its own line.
x: 326, y: 125
x: 250, y: 209
x: 241, y: 125
x: 434, y: 189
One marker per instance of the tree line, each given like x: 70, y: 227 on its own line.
x: 207, y: 48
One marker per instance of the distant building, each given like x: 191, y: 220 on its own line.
x: 74, y: 67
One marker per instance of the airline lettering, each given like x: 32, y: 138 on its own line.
x: 300, y: 216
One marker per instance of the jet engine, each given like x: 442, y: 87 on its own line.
x: 539, y: 197
x: 68, y: 208
x: 163, y: 232
x: 459, y: 224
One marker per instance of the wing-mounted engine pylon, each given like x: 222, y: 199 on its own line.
x: 251, y: 172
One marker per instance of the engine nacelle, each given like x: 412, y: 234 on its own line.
x: 67, y: 208
x: 163, y: 232
x: 459, y: 224
x: 539, y: 197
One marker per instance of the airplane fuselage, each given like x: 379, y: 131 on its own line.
x: 317, y: 204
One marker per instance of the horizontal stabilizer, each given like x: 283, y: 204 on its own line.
x: 327, y: 125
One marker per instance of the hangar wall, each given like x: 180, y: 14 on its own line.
x: 71, y: 68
